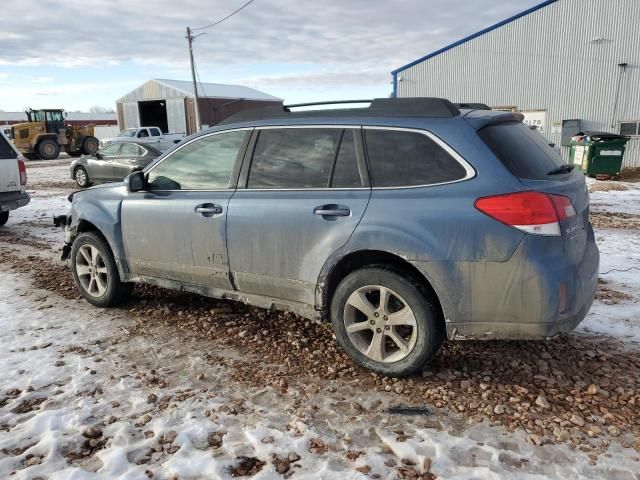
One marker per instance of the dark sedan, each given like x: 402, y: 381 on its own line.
x: 115, y: 161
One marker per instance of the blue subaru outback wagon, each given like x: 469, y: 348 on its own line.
x: 403, y: 223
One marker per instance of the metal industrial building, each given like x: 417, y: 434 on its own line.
x: 566, y: 64
x: 170, y: 104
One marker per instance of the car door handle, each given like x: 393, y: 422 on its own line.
x: 208, y: 209
x: 332, y: 211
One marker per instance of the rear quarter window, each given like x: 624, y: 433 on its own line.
x: 523, y: 151
x: 5, y: 149
x: 403, y: 159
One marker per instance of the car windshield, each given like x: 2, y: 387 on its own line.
x: 128, y: 132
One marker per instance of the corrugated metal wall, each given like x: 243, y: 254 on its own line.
x: 153, y: 90
x: 547, y: 60
x: 175, y: 115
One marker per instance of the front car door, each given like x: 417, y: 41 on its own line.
x: 100, y: 166
x: 305, y: 191
x: 176, y: 229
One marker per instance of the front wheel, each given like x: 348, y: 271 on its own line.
x: 385, y: 322
x: 95, y: 272
x: 90, y: 145
x: 4, y: 218
x: 48, y: 149
x: 82, y: 177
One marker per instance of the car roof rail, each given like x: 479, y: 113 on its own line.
x: 394, y: 107
x: 473, y: 106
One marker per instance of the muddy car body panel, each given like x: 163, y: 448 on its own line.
x: 287, y: 247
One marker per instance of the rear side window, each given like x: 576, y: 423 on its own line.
x: 155, y: 132
x: 525, y: 152
x: 131, y: 149
x: 5, y: 149
x: 346, y: 173
x: 294, y: 158
x: 404, y: 159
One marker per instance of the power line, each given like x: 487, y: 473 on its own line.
x: 225, y: 18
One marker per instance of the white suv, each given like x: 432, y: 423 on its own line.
x: 13, y: 179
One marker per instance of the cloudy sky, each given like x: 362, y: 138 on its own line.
x: 77, y: 54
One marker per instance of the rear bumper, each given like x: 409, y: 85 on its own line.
x: 520, y: 298
x: 13, y: 200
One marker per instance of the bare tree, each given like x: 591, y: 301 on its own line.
x: 99, y: 109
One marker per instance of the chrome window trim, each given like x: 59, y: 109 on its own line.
x: 470, y: 171
x: 182, y: 145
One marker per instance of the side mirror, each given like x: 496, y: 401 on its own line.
x: 135, y: 181
x: 98, y: 155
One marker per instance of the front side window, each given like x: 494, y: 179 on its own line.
x: 294, y: 158
x: 128, y: 132
x: 143, y: 134
x: 204, y: 164
x: 403, y: 159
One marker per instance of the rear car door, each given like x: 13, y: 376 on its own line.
x: 128, y: 160
x: 176, y: 228
x: 305, y: 190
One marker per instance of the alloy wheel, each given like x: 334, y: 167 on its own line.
x: 380, y: 323
x: 81, y: 177
x: 92, y: 271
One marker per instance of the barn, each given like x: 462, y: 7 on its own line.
x: 567, y: 65
x: 171, y: 104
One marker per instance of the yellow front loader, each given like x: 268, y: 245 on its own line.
x: 46, y: 133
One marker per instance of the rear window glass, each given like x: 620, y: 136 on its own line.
x: 401, y: 159
x: 5, y: 149
x: 525, y: 152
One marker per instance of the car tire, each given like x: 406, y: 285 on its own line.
x: 95, y: 272
x: 388, y: 338
x: 81, y: 177
x: 48, y: 149
x: 90, y: 145
x: 4, y: 218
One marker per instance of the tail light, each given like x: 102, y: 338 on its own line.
x: 532, y: 212
x: 22, y: 168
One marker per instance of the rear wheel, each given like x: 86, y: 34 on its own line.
x: 385, y: 322
x: 48, y: 149
x: 90, y: 145
x: 95, y: 272
x: 82, y: 177
x: 4, y: 217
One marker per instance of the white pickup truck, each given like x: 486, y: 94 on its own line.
x: 144, y: 135
x: 13, y: 179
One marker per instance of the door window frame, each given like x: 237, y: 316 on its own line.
x: 233, y: 180
x: 362, y: 164
x: 140, y: 147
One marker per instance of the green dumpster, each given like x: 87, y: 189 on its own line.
x: 598, y: 153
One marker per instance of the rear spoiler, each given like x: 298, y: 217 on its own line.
x: 480, y: 118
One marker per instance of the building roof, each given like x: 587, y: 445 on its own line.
x: 218, y: 90
x: 71, y: 116
x: 475, y: 35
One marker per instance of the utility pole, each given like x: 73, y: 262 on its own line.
x: 190, y: 38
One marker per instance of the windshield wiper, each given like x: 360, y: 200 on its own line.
x: 562, y: 169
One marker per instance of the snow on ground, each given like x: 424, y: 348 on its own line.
x: 93, y: 383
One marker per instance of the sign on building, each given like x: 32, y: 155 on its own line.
x: 537, y: 119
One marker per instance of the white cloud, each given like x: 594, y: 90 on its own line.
x: 359, y: 34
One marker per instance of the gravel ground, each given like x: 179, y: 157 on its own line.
x: 581, y: 391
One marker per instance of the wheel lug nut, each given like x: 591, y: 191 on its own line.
x: 387, y: 327
x: 373, y: 322
x: 378, y: 330
x: 385, y: 317
x: 376, y: 314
